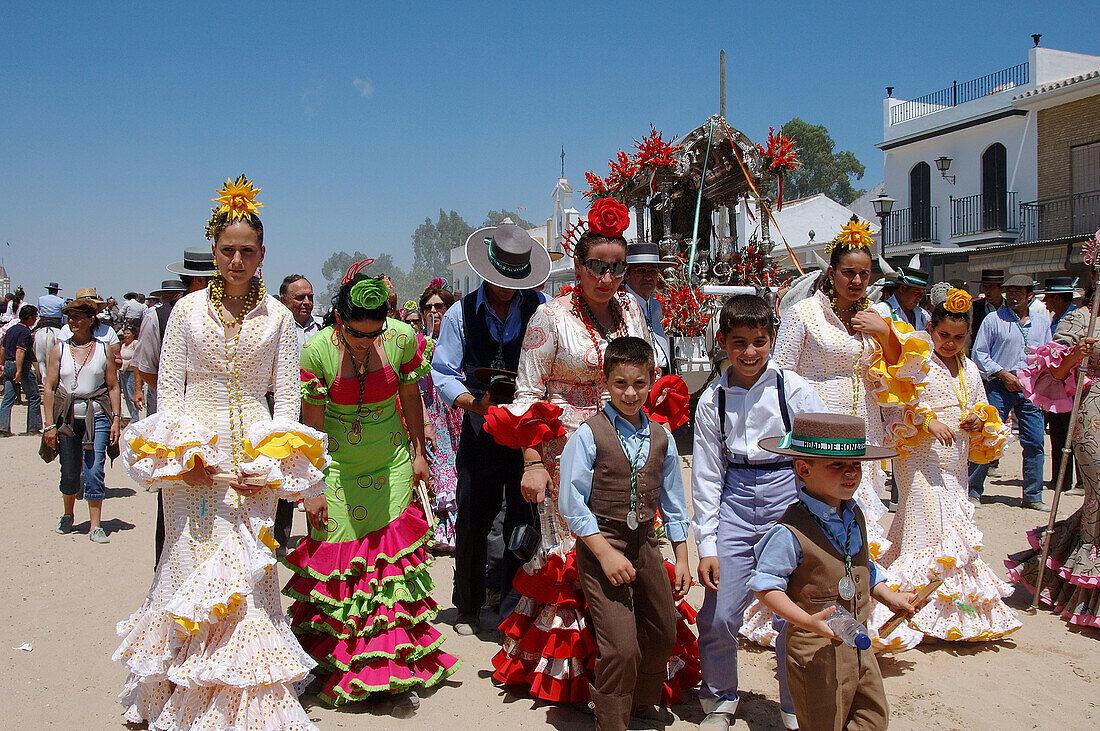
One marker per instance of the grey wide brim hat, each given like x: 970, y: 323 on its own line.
x: 827, y: 436
x: 198, y: 261
x: 508, y: 256
x: 646, y: 253
x: 170, y: 286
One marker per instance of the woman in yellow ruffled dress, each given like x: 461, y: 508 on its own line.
x: 209, y: 648
x: 933, y: 534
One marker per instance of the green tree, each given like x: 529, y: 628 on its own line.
x: 432, y: 243
x: 822, y: 170
x: 493, y: 218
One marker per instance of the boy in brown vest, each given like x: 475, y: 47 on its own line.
x: 817, y: 556
x: 617, y: 470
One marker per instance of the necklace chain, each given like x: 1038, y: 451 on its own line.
x: 591, y: 324
x: 78, y: 367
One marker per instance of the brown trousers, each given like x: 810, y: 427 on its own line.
x: 634, y: 624
x: 839, y: 688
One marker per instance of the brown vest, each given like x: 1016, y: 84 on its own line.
x: 814, y: 584
x: 610, y: 498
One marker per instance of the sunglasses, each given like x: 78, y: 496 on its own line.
x: 436, y: 306
x: 413, y: 321
x: 350, y: 331
x: 599, y: 267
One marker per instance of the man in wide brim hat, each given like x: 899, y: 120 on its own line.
x: 904, y: 304
x: 992, y: 288
x: 169, y: 289
x: 508, y: 256
x: 643, y: 273
x: 485, y: 330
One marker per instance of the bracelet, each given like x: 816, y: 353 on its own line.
x: 536, y: 466
x: 49, y: 427
x: 927, y: 420
x: 534, y: 462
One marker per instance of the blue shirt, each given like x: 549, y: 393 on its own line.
x: 654, y: 314
x: 576, y: 478
x: 1001, y: 345
x: 1055, y: 320
x: 49, y: 305
x: 778, y: 553
x: 450, y: 346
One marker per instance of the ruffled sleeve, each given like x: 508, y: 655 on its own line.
x: 905, y: 428
x: 1042, y: 388
x: 414, y: 352
x: 536, y: 361
x: 292, y: 455
x: 901, y: 382
x: 166, y: 445
x: 986, y: 445
x: 541, y: 422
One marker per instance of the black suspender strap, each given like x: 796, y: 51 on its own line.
x: 784, y: 412
x: 782, y: 393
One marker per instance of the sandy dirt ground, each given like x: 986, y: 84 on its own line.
x: 62, y: 596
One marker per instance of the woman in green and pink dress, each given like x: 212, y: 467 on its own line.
x: 361, y: 587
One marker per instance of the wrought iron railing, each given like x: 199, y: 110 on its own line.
x: 977, y: 214
x: 958, y: 93
x: 1060, y: 218
x: 912, y: 225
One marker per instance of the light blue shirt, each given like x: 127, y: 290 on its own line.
x: 49, y: 305
x: 576, y: 478
x: 778, y: 553
x: 1000, y: 344
x: 450, y: 346
x: 654, y: 313
x: 891, y: 308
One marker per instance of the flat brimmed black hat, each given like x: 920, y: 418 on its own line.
x: 993, y: 276
x: 54, y: 285
x: 169, y: 286
x: 1060, y: 285
x: 508, y: 256
x: 198, y: 261
x: 646, y: 253
x: 826, y: 436
x: 913, y: 277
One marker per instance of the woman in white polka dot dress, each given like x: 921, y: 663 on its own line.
x: 933, y: 534
x: 209, y: 648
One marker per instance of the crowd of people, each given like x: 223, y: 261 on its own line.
x: 531, y: 437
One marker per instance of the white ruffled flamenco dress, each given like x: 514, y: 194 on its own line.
x: 210, y: 648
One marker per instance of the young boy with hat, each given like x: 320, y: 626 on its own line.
x: 817, y: 556
x: 738, y: 490
x: 617, y: 470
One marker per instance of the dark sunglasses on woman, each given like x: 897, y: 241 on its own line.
x: 599, y: 267
x: 352, y: 332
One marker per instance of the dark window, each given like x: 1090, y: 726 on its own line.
x: 920, y: 201
x: 994, y: 189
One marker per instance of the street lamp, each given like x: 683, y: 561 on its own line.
x: 883, y: 205
x: 943, y: 164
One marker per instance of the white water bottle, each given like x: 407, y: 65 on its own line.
x: 848, y: 629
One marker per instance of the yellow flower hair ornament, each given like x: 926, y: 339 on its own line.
x: 236, y: 200
x: 958, y: 301
x: 854, y: 235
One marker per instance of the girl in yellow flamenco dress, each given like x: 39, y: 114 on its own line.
x: 933, y: 534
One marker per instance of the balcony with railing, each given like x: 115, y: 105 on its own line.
x: 1060, y: 218
x: 912, y: 226
x: 960, y: 93
x: 979, y: 214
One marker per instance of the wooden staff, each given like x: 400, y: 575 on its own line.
x: 923, y: 596
x: 1067, y: 449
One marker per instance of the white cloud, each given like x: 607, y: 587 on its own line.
x: 364, y: 85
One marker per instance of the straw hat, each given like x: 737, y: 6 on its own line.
x: 826, y: 436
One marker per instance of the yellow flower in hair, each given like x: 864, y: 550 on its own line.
x: 238, y: 199
x: 958, y: 301
x: 854, y: 235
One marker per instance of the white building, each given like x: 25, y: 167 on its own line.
x: 965, y: 166
x: 5, y: 282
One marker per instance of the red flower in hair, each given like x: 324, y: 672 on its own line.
x: 541, y: 422
x: 608, y: 217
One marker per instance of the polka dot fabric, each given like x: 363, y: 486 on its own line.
x: 210, y: 648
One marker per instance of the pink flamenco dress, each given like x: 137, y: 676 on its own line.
x: 934, y: 534
x: 361, y: 589
x: 1071, y: 580
x: 548, y: 647
x: 447, y: 423
x: 210, y: 648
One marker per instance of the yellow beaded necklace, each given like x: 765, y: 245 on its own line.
x: 255, y: 295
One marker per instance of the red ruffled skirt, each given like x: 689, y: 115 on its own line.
x: 362, y: 610
x: 549, y: 648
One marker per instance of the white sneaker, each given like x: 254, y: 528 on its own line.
x: 790, y: 721
x: 717, y: 720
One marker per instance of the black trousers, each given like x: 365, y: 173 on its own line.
x: 1058, y: 426
x: 284, y: 520
x: 488, y: 475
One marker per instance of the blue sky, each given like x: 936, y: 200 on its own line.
x: 358, y: 120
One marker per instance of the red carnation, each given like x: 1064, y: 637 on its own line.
x: 608, y: 217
